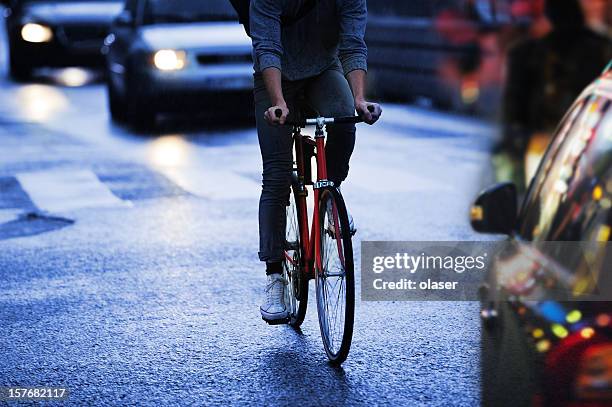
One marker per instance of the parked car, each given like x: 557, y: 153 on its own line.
x: 538, y: 348
x: 56, y: 33
x: 184, y: 55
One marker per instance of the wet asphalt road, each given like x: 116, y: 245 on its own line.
x: 135, y: 280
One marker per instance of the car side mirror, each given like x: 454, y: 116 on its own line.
x: 496, y: 210
x: 124, y: 19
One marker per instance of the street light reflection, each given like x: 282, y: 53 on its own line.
x: 74, y: 77
x: 168, y: 151
x: 41, y: 102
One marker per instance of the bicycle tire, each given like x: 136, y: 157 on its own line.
x: 337, y: 349
x: 296, y: 296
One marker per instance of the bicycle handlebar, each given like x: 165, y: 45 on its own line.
x: 323, y: 120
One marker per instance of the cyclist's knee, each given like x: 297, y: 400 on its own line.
x: 276, y: 186
x: 276, y: 181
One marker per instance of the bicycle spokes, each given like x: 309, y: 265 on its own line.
x: 332, y: 277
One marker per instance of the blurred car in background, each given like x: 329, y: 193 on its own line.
x: 184, y: 55
x: 56, y: 33
x: 537, y: 348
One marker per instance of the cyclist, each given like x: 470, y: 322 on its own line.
x: 322, y: 58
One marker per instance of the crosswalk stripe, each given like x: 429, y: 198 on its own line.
x: 7, y: 215
x: 213, y: 184
x: 63, y: 190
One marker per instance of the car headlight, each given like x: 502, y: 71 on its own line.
x: 169, y: 60
x: 32, y: 32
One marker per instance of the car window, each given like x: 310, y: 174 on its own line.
x: 164, y: 11
x: 571, y: 196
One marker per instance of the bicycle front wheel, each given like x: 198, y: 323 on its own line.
x: 296, y: 294
x: 335, y: 279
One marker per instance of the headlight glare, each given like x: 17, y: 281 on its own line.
x: 169, y: 60
x: 32, y: 32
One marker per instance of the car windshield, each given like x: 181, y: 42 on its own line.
x: 177, y: 11
x: 571, y: 196
x: 572, y: 193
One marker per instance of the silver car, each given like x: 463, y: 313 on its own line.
x: 178, y: 56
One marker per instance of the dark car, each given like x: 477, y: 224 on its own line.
x: 184, y: 55
x: 539, y: 347
x: 56, y: 33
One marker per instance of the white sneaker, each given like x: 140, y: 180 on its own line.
x: 274, y: 308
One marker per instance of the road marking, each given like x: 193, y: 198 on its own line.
x: 7, y: 215
x: 67, y: 189
x: 213, y: 184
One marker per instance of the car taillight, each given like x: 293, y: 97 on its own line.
x: 594, y: 378
x: 578, y: 370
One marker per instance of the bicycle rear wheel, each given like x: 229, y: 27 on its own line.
x: 335, y: 281
x: 296, y: 295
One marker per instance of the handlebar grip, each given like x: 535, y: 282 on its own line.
x: 278, y: 113
x: 348, y: 120
x: 371, y: 108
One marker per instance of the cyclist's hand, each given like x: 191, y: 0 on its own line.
x: 272, y: 116
x: 370, y: 112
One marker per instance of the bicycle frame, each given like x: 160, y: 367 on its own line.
x: 311, y: 241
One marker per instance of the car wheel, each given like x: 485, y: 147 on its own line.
x: 116, y: 104
x: 18, y: 71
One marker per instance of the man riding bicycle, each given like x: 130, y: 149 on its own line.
x: 319, y: 61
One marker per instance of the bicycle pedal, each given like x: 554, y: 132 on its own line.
x: 284, y: 321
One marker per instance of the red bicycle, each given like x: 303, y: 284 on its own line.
x: 326, y: 253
